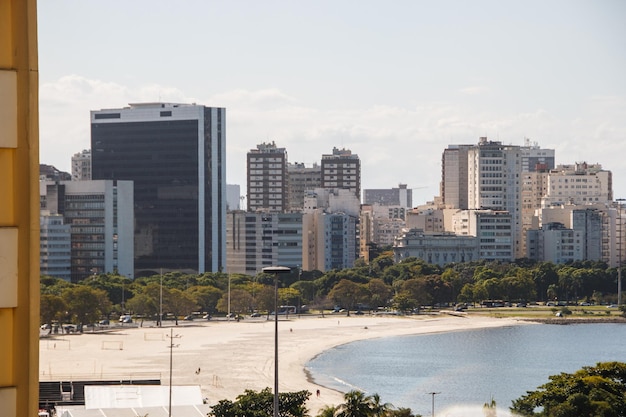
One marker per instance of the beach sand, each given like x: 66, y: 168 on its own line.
x: 225, y: 358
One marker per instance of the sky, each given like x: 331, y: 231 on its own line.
x: 395, y: 82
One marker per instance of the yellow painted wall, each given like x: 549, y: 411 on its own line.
x: 19, y: 209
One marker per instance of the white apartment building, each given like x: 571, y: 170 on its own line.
x: 578, y: 183
x: 494, y: 183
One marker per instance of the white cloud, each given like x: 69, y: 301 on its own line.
x: 395, y: 144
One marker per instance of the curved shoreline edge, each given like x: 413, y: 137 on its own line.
x: 227, y: 358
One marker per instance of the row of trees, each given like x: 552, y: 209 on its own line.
x: 292, y: 404
x: 594, y: 391
x: 404, y: 286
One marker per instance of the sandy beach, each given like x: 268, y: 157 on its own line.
x: 226, y: 358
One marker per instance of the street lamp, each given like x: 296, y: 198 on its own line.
x: 276, y: 270
x: 433, y: 394
x: 172, y: 346
x: 161, y: 300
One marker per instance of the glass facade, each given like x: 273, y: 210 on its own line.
x: 177, y: 168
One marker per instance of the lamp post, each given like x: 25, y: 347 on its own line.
x: 276, y: 270
x: 619, y: 253
x: 161, y: 300
x: 172, y: 346
x: 433, y: 395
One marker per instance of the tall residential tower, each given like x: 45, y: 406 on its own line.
x: 342, y: 169
x: 267, y: 178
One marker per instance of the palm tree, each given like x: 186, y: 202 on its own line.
x: 357, y: 405
x: 489, y: 409
x: 328, y: 411
x: 379, y: 409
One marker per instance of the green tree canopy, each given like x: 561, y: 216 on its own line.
x: 592, y: 391
x: 348, y: 294
x: 261, y: 404
x: 52, y: 308
x: 85, y: 304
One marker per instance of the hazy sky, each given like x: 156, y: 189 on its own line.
x: 396, y: 82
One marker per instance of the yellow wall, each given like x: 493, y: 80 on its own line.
x: 19, y: 209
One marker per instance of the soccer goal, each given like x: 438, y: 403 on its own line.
x: 153, y: 336
x: 112, y: 345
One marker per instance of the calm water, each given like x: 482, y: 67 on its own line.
x: 466, y: 368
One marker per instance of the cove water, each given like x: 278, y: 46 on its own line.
x: 466, y: 368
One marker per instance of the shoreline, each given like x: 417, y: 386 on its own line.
x: 227, y: 358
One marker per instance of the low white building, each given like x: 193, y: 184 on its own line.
x: 435, y: 248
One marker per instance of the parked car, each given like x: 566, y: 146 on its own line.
x: 126, y: 319
x: 69, y: 328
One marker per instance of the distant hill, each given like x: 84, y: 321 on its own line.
x: 53, y: 174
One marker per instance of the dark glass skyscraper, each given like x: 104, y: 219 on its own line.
x: 176, y: 156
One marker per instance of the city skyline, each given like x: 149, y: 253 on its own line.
x: 394, y: 84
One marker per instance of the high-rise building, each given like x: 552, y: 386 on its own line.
x: 494, y: 183
x: 454, y: 176
x: 267, y: 178
x: 99, y: 215
x: 302, y: 179
x: 81, y: 165
x: 176, y: 156
x: 342, y: 169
